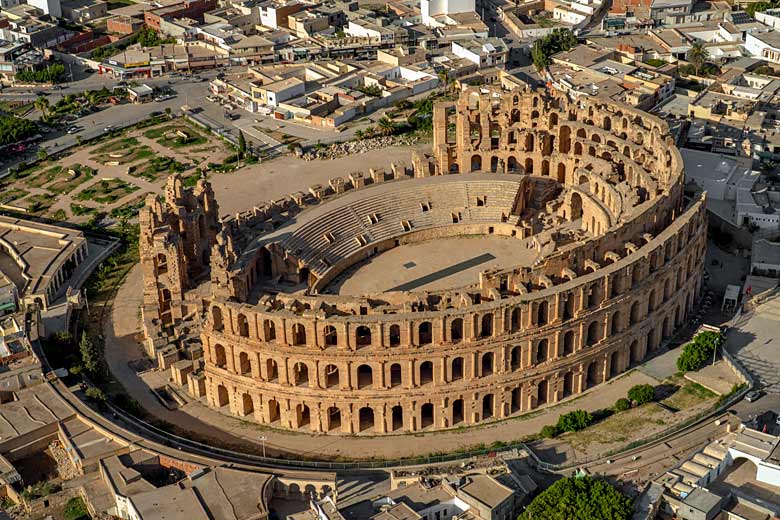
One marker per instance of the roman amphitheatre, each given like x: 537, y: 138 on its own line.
x: 541, y: 247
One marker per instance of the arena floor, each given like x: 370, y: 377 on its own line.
x: 432, y: 265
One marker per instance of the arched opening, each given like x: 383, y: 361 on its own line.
x: 397, y: 418
x: 222, y: 396
x: 272, y: 371
x: 426, y: 416
x: 456, y: 330
x: 511, y: 164
x: 486, y: 330
x: 274, y: 413
x: 395, y: 335
x: 541, y: 352
x: 247, y: 405
x: 269, y: 330
x: 396, y: 377
x: 302, y: 415
x: 220, y: 358
x: 577, y: 148
x: 607, y: 123
x: 633, y: 352
x: 494, y: 164
x: 298, y: 334
x: 591, y: 378
x: 616, y: 323
x: 516, y: 400
x: 243, y: 326
x: 216, y: 319
x: 614, y: 364
x: 332, y: 376
x: 541, y: 396
x: 541, y: 313
x: 487, y: 406
x: 487, y: 364
x: 634, y: 317
x: 564, y: 139
x: 457, y: 411
x: 576, y: 206
x: 363, y: 336
x: 426, y: 373
x: 366, y: 419
x: 476, y: 163
x: 161, y: 264
x: 334, y: 418
x: 300, y: 374
x: 568, y: 307
x: 529, y: 143
x: 561, y: 173
x: 568, y: 384
x: 425, y: 332
x: 365, y: 376
x: 245, y: 367
x: 592, y: 336
x: 457, y: 369
x: 529, y: 166
x: 514, y: 359
x: 568, y: 343
x: 514, y: 319
x: 651, y: 301
x: 331, y: 336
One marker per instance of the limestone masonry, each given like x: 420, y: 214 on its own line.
x: 247, y: 311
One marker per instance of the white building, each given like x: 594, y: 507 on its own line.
x: 569, y: 16
x: 764, y: 45
x: 50, y: 7
x: 489, y: 52
x: 431, y: 8
x: 770, y: 17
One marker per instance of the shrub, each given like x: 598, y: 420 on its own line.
x: 574, y: 421
x: 549, y: 431
x: 622, y: 404
x: 75, y: 509
x: 696, y: 353
x: 96, y: 394
x: 641, y: 394
x: 579, y: 498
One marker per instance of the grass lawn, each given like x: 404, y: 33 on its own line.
x: 128, y: 210
x: 689, y: 395
x: 621, y: 427
x: 39, y: 204
x: 78, y: 210
x: 116, y: 146
x: 107, y: 191
x: 166, y: 136
x: 10, y: 195
x: 157, y: 166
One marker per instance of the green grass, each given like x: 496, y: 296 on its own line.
x: 106, y: 191
x: 78, y: 210
x: 165, y: 136
x: 39, y: 204
x: 9, y: 195
x: 653, y: 62
x: 129, y: 210
x: 689, y: 395
x: 42, y: 178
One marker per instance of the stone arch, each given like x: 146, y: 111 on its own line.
x: 568, y: 343
x: 223, y: 397
x: 244, y: 365
x: 616, y: 325
x: 456, y: 330
x: 561, y: 176
x: 427, y: 416
x: 514, y: 358
x: 363, y: 336
x: 217, y: 322
x: 269, y: 330
x: 395, y: 335
x: 457, y: 369
x: 514, y: 319
x: 365, y: 376
x: 542, y: 390
x: 332, y: 378
x: 564, y: 139
x: 476, y: 163
x: 458, y: 415
x: 511, y: 164
x: 577, y: 148
x: 592, y: 334
x: 542, y: 314
x: 614, y: 364
x: 247, y: 405
x: 591, y: 375
x: 576, y: 206
x: 488, y: 402
x: 302, y: 415
x: 396, y: 418
x: 300, y: 374
x: 529, y: 143
x: 553, y: 119
x: 568, y: 384
x: 365, y: 419
x: 396, y: 375
x: 487, y: 364
x: 607, y: 123
x: 541, y: 352
x: 426, y: 373
x: 243, y: 325
x: 635, y: 316
x: 298, y: 334
x: 529, y: 165
x: 220, y: 358
x: 633, y: 353
x: 333, y: 418
x: 545, y: 168
x: 486, y: 328
x: 271, y: 369
x: 331, y: 336
x: 425, y: 333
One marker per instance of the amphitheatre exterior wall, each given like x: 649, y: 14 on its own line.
x: 602, y: 297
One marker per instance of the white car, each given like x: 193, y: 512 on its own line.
x: 74, y: 130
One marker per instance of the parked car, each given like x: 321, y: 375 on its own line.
x: 232, y: 116
x: 74, y: 130
x: 754, y: 395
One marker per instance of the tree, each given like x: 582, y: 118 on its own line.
x: 574, y: 421
x: 622, y: 404
x: 549, y: 431
x: 386, y: 126
x: 696, y: 353
x: 241, y: 143
x: 553, y: 43
x: 42, y: 155
x: 90, y: 355
x: 641, y: 394
x: 698, y: 55
x: 14, y: 129
x: 168, y: 112
x: 579, y: 498
x: 96, y: 394
x: 43, y: 106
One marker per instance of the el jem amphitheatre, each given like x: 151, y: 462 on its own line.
x: 539, y: 248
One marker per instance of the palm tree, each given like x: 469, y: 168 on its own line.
x: 386, y: 126
x: 42, y: 104
x: 698, y: 55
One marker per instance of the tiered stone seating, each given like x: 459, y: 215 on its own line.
x: 380, y: 217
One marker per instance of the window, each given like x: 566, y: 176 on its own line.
x: 406, y: 225
x: 329, y: 237
x: 457, y: 217
x: 425, y: 206
x: 373, y: 218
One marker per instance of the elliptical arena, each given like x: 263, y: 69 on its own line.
x: 563, y: 252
